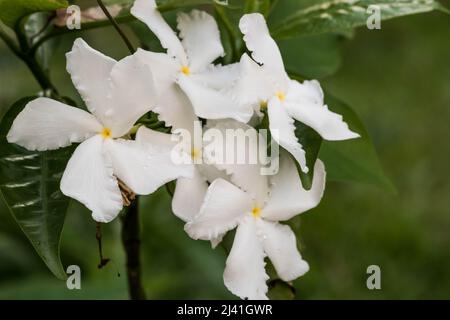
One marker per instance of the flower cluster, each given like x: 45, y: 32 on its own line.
x: 182, y: 86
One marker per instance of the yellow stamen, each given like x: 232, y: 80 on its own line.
x: 106, y: 133
x: 256, y: 212
x: 281, y: 95
x: 196, y: 153
x: 185, y: 70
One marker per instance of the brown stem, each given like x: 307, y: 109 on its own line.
x: 131, y: 243
x: 98, y: 235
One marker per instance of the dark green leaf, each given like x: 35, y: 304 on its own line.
x: 176, y: 4
x: 284, y: 8
x: 331, y: 16
x: 261, y: 6
x: 11, y: 11
x: 147, y: 39
x: 29, y: 183
x: 352, y: 160
x: 226, y: 39
x: 356, y: 159
x: 35, y: 25
x: 312, y: 57
x: 311, y: 141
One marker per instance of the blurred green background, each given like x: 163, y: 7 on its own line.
x: 398, y: 81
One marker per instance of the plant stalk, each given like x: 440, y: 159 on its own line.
x: 116, y: 26
x: 22, y: 53
x: 131, y: 243
x: 39, y: 74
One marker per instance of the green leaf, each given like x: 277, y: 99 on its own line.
x: 262, y: 6
x: 352, y: 160
x: 35, y: 24
x: 356, y: 159
x: 313, y: 57
x: 29, y: 183
x: 280, y: 290
x: 147, y: 39
x: 11, y: 11
x: 332, y: 15
x: 311, y: 142
x: 176, y: 4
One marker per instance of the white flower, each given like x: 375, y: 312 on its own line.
x: 284, y: 98
x: 190, y: 192
x: 189, y: 63
x: 117, y: 94
x: 258, y: 231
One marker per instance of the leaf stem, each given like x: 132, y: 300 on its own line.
x: 131, y: 242
x: 22, y: 51
x: 40, y: 75
x: 98, y: 235
x: 116, y: 26
x: 10, y: 42
x: 60, y: 31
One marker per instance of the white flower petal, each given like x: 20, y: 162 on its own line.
x: 188, y: 197
x: 141, y: 170
x: 211, y: 172
x: 244, y: 174
x: 280, y: 245
x: 89, y: 179
x: 132, y: 95
x: 224, y: 205
x: 90, y: 71
x: 155, y: 141
x: 173, y: 106
x: 245, y: 274
x: 46, y: 124
x: 213, y: 104
x: 200, y: 38
x: 282, y: 129
x: 218, y: 76
x: 215, y: 242
x: 264, y: 49
x: 305, y: 103
x: 147, y: 12
x: 254, y: 84
x: 287, y: 196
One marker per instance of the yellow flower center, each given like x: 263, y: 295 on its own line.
x: 185, y: 70
x: 106, y: 133
x: 196, y: 153
x: 256, y: 212
x: 281, y: 95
